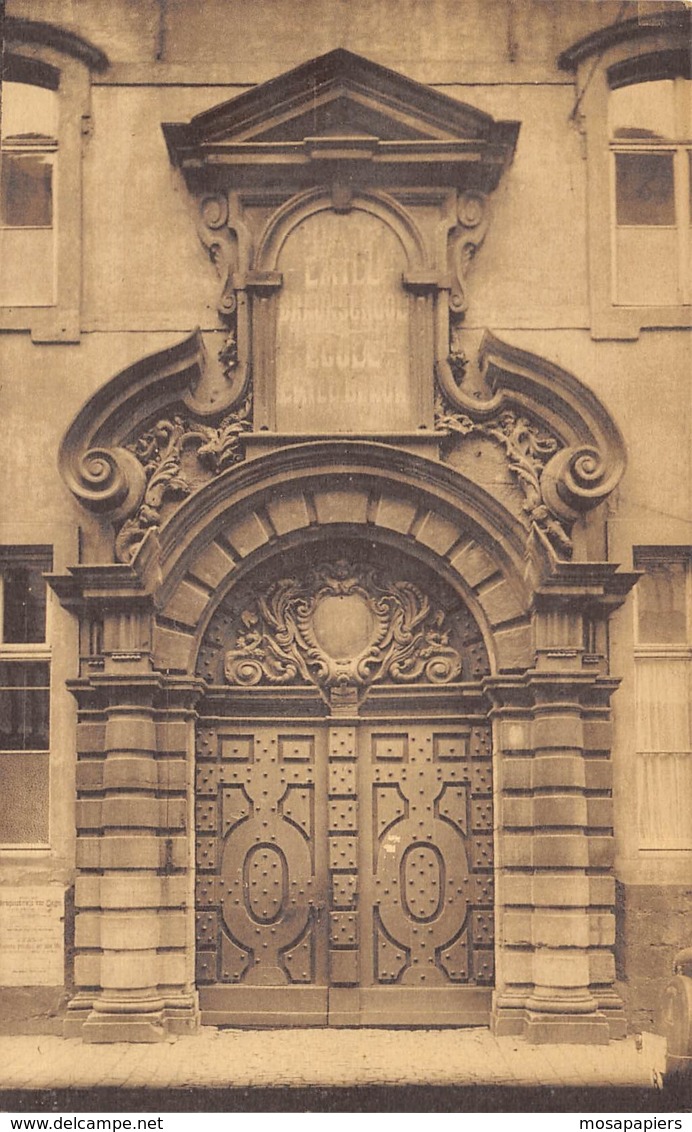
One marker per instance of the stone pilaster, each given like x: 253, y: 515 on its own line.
x: 133, y: 962
x: 564, y: 852
x: 556, y: 897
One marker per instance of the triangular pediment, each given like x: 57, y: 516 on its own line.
x: 337, y: 95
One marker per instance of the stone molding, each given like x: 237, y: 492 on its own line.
x: 676, y: 21
x: 124, y: 455
x: 342, y: 109
x: 59, y: 39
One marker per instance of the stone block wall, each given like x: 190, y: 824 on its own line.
x: 653, y: 923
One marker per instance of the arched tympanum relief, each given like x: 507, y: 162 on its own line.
x: 341, y: 625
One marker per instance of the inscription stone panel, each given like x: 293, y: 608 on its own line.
x: 32, y: 936
x: 342, y: 357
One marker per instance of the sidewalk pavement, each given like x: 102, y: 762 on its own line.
x: 268, y: 1058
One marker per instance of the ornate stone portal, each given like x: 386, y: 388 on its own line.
x: 215, y: 604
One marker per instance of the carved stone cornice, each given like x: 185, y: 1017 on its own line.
x: 562, y: 446
x: 156, y: 431
x: 111, y: 584
x: 593, y: 588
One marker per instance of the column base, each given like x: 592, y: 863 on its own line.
x: 100, y: 1020
x: 516, y: 1017
x: 508, y: 1015
x: 611, y: 1006
x: 100, y: 1027
x: 576, y: 1029
x: 78, y: 1010
x: 181, y: 1013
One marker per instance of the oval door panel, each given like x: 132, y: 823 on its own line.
x: 422, y: 881
x: 265, y: 878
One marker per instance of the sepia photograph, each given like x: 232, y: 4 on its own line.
x: 345, y: 561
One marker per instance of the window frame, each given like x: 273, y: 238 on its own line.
x: 29, y: 651
x: 663, y: 652
x: 682, y: 219
x: 631, y: 52
x: 39, y: 49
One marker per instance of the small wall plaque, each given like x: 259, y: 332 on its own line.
x: 32, y: 936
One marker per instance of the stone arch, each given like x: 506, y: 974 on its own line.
x: 332, y: 488
x: 262, y: 757
x: 298, y: 209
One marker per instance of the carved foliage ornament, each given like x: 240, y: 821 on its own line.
x: 160, y: 451
x: 528, y: 450
x: 342, y: 625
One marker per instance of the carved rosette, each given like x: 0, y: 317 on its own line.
x: 342, y: 625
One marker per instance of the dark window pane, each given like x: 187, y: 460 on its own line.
x: 23, y: 799
x: 24, y: 604
x: 24, y: 674
x: 644, y: 188
x: 26, y: 191
x: 23, y: 720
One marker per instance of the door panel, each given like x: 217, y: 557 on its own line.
x: 427, y: 879
x: 261, y: 868
x: 345, y: 873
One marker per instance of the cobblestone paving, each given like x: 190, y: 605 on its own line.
x: 327, y: 1057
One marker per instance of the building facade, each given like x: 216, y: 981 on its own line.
x: 345, y: 538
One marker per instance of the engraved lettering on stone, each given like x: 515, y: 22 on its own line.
x: 342, y: 336
x: 32, y: 936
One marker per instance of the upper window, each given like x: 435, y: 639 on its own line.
x: 633, y: 101
x: 24, y: 698
x: 651, y: 144
x: 45, y: 114
x: 28, y: 156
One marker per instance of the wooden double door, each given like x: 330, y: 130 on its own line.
x: 344, y: 872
